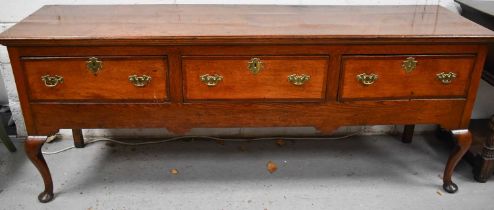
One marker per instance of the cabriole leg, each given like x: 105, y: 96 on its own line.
x: 464, y: 140
x: 33, y: 150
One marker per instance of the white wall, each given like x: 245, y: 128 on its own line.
x: 12, y: 11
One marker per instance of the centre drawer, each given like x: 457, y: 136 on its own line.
x: 96, y: 78
x: 276, y: 78
x: 405, y: 76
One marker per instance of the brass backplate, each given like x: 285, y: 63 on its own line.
x: 297, y: 79
x: 211, y: 80
x: 446, y: 77
x: 94, y: 65
x: 409, y: 64
x: 255, y: 65
x: 51, y: 81
x: 139, y: 81
x: 367, y: 79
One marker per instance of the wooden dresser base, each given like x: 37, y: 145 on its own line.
x: 181, y: 67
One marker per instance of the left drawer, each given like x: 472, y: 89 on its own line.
x: 98, y: 78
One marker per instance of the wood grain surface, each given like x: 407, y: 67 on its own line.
x: 184, y: 24
x: 271, y: 83
x: 177, y: 56
x: 394, y: 82
x: 175, y: 44
x: 179, y: 118
x: 110, y: 83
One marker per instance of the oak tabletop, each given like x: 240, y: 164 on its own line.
x: 240, y: 22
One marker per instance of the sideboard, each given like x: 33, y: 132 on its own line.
x: 211, y: 66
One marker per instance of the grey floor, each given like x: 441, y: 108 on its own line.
x: 362, y: 172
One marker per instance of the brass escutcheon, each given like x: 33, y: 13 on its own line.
x: 298, y: 80
x: 52, y: 81
x: 409, y: 64
x: 367, y: 79
x: 446, y: 77
x: 140, y: 81
x: 255, y: 65
x: 94, y: 65
x: 211, y: 80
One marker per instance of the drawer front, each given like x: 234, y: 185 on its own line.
x: 255, y: 78
x: 102, y: 78
x: 405, y: 77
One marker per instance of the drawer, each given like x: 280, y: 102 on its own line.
x: 405, y: 77
x: 255, y: 78
x: 102, y: 78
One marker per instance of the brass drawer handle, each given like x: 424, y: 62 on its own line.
x: 52, y: 81
x: 140, y: 81
x: 409, y: 64
x: 367, y: 79
x: 255, y: 65
x: 446, y: 77
x: 298, y: 80
x: 211, y: 80
x: 94, y: 65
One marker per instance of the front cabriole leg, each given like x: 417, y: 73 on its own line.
x: 33, y: 150
x: 464, y: 140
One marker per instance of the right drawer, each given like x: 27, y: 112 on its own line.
x: 405, y: 77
